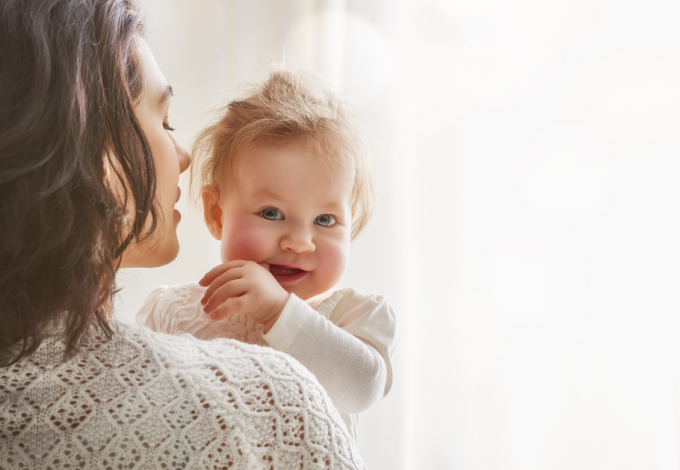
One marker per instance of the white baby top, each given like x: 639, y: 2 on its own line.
x: 345, y: 341
x: 146, y: 400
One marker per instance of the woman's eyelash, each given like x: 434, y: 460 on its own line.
x: 168, y: 127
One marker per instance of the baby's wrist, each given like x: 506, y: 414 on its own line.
x: 276, y: 311
x: 270, y: 323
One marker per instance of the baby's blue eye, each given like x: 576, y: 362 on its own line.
x: 325, y: 220
x: 271, y: 214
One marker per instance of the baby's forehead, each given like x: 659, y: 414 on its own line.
x: 267, y: 156
x: 287, y: 174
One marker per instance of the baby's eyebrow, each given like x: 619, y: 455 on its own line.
x: 334, y: 207
x: 331, y: 206
x: 267, y: 193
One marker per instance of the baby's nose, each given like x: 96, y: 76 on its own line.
x: 299, y: 241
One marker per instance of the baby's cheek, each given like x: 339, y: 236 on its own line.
x: 333, y: 261
x: 243, y: 243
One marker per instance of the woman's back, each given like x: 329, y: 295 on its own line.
x: 147, y: 400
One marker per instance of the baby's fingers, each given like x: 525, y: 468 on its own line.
x: 231, y: 307
x: 220, y: 281
x: 223, y: 295
x: 217, y: 271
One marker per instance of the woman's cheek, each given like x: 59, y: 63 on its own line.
x: 244, y: 242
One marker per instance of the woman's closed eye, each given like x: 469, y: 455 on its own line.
x: 325, y: 220
x: 270, y: 213
x: 166, y: 122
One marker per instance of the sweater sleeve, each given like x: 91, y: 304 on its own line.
x: 346, y: 344
x: 149, y: 311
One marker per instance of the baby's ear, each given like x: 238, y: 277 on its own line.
x: 212, y: 211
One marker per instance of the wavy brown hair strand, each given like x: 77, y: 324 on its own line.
x: 69, y: 79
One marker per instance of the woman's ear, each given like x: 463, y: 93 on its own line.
x: 212, y: 211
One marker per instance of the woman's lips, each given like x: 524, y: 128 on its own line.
x: 176, y: 213
x: 284, y: 274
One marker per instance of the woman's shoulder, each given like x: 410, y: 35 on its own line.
x: 160, y: 394
x: 244, y: 380
x: 187, y: 353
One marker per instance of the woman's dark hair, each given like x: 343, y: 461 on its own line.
x: 77, y: 180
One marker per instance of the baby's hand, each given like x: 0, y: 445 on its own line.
x: 243, y: 286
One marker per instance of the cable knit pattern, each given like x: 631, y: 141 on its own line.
x: 145, y: 400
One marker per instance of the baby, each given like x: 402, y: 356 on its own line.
x: 286, y: 185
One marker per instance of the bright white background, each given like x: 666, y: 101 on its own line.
x: 527, y: 229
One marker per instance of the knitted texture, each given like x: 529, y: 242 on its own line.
x: 144, y: 400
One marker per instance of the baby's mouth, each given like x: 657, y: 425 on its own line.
x: 286, y: 273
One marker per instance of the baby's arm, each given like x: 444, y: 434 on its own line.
x: 349, y: 352
x: 347, y: 349
x: 146, y: 316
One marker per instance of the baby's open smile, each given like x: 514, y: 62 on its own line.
x: 286, y: 274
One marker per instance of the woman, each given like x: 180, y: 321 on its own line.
x: 88, y: 183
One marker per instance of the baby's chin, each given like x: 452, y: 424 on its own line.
x: 306, y: 293
x: 303, y: 294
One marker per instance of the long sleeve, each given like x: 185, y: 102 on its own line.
x: 177, y: 310
x: 346, y: 343
x: 146, y: 316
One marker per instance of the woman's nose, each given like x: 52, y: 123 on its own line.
x: 298, y: 241
x: 182, y: 155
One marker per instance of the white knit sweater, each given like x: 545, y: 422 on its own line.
x: 344, y: 338
x: 147, y: 400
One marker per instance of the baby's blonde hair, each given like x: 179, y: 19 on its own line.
x: 289, y: 105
